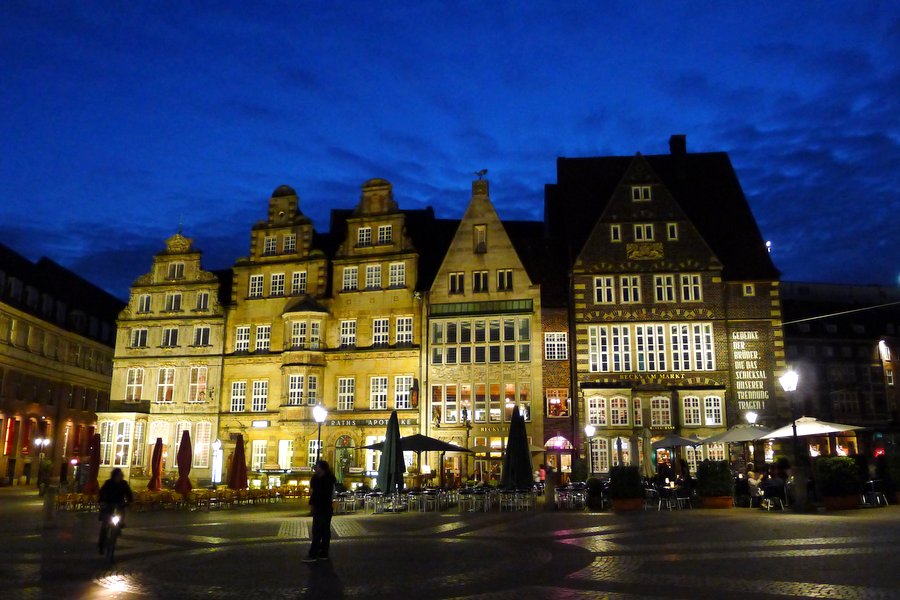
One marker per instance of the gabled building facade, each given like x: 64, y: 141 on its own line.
x: 168, y: 367
x: 676, y: 314
x: 275, y: 340
x: 484, y: 341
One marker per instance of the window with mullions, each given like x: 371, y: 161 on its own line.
x: 650, y: 347
x: 165, y: 384
x: 255, y: 289
x: 404, y: 334
x: 691, y: 408
x: 170, y: 337
x: 556, y: 345
x: 276, y: 284
x: 373, y: 277
x: 604, y: 290
x: 596, y: 406
x: 176, y: 270
x: 197, y: 384
x: 378, y: 391
x: 660, y: 412
x: 270, y: 245
x: 479, y: 341
x: 364, y: 237
x: 173, y: 302
x: 238, y: 396
x: 350, y: 279
x: 630, y: 289
x: 397, y: 275
x: 134, y: 384
x: 144, y: 303
x: 203, y: 301
x: 381, y: 332
x: 664, y: 288
x: 504, y: 280
x: 457, y: 283
x: 289, y: 243
x: 260, y: 395
x: 599, y: 455
x: 712, y: 410
x: 618, y: 411
x: 402, y: 386
x: 298, y: 282
x: 242, y: 338
x: 295, y: 390
x: 385, y: 234
x: 348, y: 334
x: 641, y: 193
x: 690, y: 287
x: 479, y: 281
x: 139, y: 338
x: 643, y: 232
x: 263, y: 335
x: 346, y: 393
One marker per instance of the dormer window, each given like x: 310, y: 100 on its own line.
x: 641, y: 193
x: 364, y: 237
x: 385, y: 234
x: 144, y: 303
x: 176, y: 270
x: 270, y: 245
x: 615, y: 233
x: 672, y: 231
x: 480, y: 237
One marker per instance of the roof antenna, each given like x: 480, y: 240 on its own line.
x: 180, y: 223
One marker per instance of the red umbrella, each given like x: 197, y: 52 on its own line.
x: 93, y: 486
x: 237, y: 477
x: 155, y: 483
x: 185, y: 453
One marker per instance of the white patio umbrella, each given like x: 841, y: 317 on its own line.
x: 738, y: 433
x: 809, y: 426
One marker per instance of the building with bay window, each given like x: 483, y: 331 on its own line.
x: 675, y: 301
x: 168, y: 366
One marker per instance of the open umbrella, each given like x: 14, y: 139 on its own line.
x: 237, y: 476
x: 93, y: 486
x: 185, y: 452
x: 672, y: 441
x: 738, y: 433
x: 155, y: 483
x: 518, y: 470
x: 809, y: 426
x: 392, y: 466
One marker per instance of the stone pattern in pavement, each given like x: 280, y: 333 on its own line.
x: 254, y: 552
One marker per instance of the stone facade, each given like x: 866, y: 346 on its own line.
x: 168, y: 367
x: 56, y: 355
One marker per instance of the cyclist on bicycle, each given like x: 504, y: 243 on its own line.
x: 115, y: 493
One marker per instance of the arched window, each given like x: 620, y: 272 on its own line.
x: 660, y: 412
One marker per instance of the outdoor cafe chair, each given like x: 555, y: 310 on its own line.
x: 772, y: 496
x: 873, y: 493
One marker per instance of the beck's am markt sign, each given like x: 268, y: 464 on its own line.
x: 751, y: 383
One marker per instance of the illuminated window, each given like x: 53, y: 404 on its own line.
x: 197, y: 384
x: 749, y: 289
x: 889, y: 376
x: 618, y: 411
x: 402, y: 386
x: 660, y: 412
x: 638, y: 414
x: 312, y: 389
x: 270, y: 244
x: 134, y: 384
x: 378, y: 388
x: 691, y: 410
x: 385, y: 234
x: 260, y: 395
x: 599, y: 455
x: 165, y: 384
x: 351, y: 279
x: 597, y: 410
x: 295, y: 390
x: 202, y: 437
x: 256, y: 286
x: 557, y: 402
x: 298, y: 334
x: 713, y: 409
x: 242, y: 338
x: 276, y: 284
x: 258, y: 455
x: 404, y: 335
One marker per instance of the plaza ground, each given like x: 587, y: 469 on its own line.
x: 255, y: 551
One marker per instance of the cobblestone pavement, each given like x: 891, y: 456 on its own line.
x: 255, y: 552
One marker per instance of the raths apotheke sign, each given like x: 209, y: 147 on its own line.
x: 368, y: 422
x: 751, y: 380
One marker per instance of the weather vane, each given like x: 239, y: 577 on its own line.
x: 481, y: 174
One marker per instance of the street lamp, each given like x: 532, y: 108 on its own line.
x: 789, y: 382
x: 319, y: 414
x: 589, y: 431
x: 42, y: 444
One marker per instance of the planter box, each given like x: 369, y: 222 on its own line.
x: 717, y: 502
x: 627, y: 504
x: 841, y: 502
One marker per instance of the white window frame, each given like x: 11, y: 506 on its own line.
x: 630, y: 289
x: 173, y: 302
x: 169, y: 337
x: 373, y: 277
x: 238, y: 396
x: 480, y: 282
x: 312, y: 389
x: 643, y: 232
x: 298, y: 282
x: 197, y: 383
x: 504, y: 280
x: 457, y: 283
x: 202, y: 300
x: 289, y: 243
x: 402, y: 386
x: 619, y: 412
x: 314, y: 447
x: 712, y: 409
x: 202, y: 439
x: 270, y: 245
x: 671, y: 231
x: 597, y: 411
x: 378, y: 392
x: 660, y: 412
x: 348, y: 333
x: 664, y: 288
x: 615, y: 233
x: 397, y: 275
x: 165, y: 385
x: 285, y: 454
x: 299, y: 331
x: 364, y: 237
x: 201, y: 335
x: 556, y: 345
x: 139, y: 337
x: 692, y: 413
x: 404, y: 331
x: 385, y: 234
x: 276, y: 284
x: 599, y: 455
x: 691, y: 287
x: 350, y: 279
x: 260, y: 398
x: 295, y: 389
x: 263, y: 338
x: 381, y: 331
x: 641, y: 193
x: 255, y: 286
x: 346, y: 393
x: 604, y: 289
x: 134, y: 384
x: 242, y: 338
x: 144, y: 303
x: 258, y: 454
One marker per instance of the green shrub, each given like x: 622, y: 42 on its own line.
x: 579, y: 469
x: 714, y: 478
x: 625, y: 482
x: 837, y: 475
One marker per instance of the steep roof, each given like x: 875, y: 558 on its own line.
x: 704, y: 185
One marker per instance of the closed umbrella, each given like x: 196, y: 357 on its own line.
x: 518, y: 470
x: 237, y: 476
x: 155, y: 483
x: 93, y: 486
x: 809, y: 426
x: 392, y: 466
x: 647, y: 469
x: 185, y: 452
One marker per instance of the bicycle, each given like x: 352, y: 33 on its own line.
x: 113, y: 530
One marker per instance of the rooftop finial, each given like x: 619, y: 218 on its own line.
x: 180, y: 223
x: 481, y: 174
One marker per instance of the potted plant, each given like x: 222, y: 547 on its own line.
x: 626, y: 488
x: 837, y: 478
x: 715, y: 484
x: 595, y: 493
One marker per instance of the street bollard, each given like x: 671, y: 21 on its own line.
x: 50, y: 493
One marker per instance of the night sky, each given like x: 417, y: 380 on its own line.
x: 120, y: 119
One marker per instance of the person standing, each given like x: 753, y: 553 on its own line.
x: 320, y: 505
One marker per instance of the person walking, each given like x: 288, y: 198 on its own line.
x: 320, y: 505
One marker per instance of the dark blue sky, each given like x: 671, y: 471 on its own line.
x: 119, y: 119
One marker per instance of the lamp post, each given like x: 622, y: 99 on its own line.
x: 589, y: 431
x: 42, y: 444
x: 319, y: 414
x: 789, y: 382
